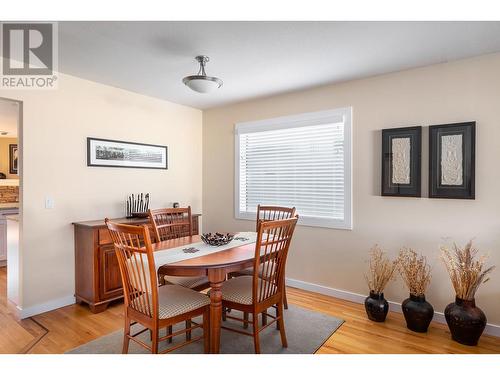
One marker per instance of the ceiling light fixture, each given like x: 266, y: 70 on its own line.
x: 201, y: 82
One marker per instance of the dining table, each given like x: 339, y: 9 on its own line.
x: 215, y: 264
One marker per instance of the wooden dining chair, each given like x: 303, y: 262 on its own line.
x: 168, y: 224
x: 265, y: 288
x: 269, y: 213
x: 147, y: 304
x: 171, y: 223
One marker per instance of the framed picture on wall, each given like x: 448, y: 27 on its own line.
x: 401, y: 161
x: 13, y: 159
x: 452, y: 160
x: 110, y: 153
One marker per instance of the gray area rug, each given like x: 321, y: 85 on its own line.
x: 306, y: 331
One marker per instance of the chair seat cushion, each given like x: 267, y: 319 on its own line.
x: 175, y: 300
x: 187, y: 282
x: 238, y: 290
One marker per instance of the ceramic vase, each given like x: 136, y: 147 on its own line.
x: 376, y: 307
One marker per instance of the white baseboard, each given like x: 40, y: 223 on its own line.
x: 491, y: 329
x: 26, y: 312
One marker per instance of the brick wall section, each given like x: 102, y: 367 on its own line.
x: 9, y: 194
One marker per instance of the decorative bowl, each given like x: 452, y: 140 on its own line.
x: 217, y: 239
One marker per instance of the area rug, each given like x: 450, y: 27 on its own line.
x: 306, y: 331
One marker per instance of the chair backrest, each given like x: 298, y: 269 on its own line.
x: 270, y: 213
x: 170, y: 223
x: 137, y: 266
x: 271, y: 251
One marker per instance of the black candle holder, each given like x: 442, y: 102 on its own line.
x: 137, y: 205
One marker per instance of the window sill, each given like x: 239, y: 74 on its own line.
x: 306, y: 221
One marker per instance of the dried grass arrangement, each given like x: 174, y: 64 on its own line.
x: 414, y: 271
x: 466, y: 272
x: 381, y: 270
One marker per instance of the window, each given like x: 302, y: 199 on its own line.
x: 301, y: 161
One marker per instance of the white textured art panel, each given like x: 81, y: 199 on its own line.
x: 451, y: 160
x: 401, y: 160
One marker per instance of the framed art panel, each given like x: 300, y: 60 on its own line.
x: 401, y: 161
x: 452, y: 160
x: 13, y: 159
x: 109, y: 153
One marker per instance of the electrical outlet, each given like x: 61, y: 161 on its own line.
x: 49, y: 203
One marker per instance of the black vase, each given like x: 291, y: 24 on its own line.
x: 376, y: 307
x: 418, y: 313
x: 465, y: 320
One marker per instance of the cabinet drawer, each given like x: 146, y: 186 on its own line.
x: 104, y: 237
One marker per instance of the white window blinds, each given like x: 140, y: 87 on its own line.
x: 299, y: 161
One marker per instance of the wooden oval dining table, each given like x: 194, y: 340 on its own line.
x: 216, y: 266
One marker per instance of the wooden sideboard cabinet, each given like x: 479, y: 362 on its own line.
x: 97, y: 274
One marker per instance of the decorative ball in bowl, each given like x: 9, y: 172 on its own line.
x: 217, y: 239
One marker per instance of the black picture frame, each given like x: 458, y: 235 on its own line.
x: 465, y: 187
x: 92, y: 158
x: 13, y: 159
x: 413, y: 187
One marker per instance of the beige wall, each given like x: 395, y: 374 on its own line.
x: 4, y: 156
x: 56, y: 124
x: 460, y: 91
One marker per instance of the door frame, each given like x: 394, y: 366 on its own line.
x: 17, y: 300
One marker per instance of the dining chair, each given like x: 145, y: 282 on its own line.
x: 171, y: 223
x: 168, y: 224
x: 265, y: 288
x: 269, y: 213
x: 152, y: 306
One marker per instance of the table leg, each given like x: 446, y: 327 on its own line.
x: 216, y: 278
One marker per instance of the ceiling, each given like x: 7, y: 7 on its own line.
x: 8, y: 118
x: 256, y: 59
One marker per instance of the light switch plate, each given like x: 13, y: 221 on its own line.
x: 49, y: 203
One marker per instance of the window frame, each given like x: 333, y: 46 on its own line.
x: 295, y: 121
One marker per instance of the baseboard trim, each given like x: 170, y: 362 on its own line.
x: 491, y: 329
x: 26, y: 312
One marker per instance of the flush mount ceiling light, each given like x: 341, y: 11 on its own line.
x: 201, y: 82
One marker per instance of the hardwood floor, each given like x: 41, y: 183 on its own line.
x: 63, y: 329
x: 360, y: 335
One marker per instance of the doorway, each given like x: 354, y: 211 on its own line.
x: 10, y: 166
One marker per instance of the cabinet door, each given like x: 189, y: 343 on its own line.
x: 3, y: 240
x: 109, y: 274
